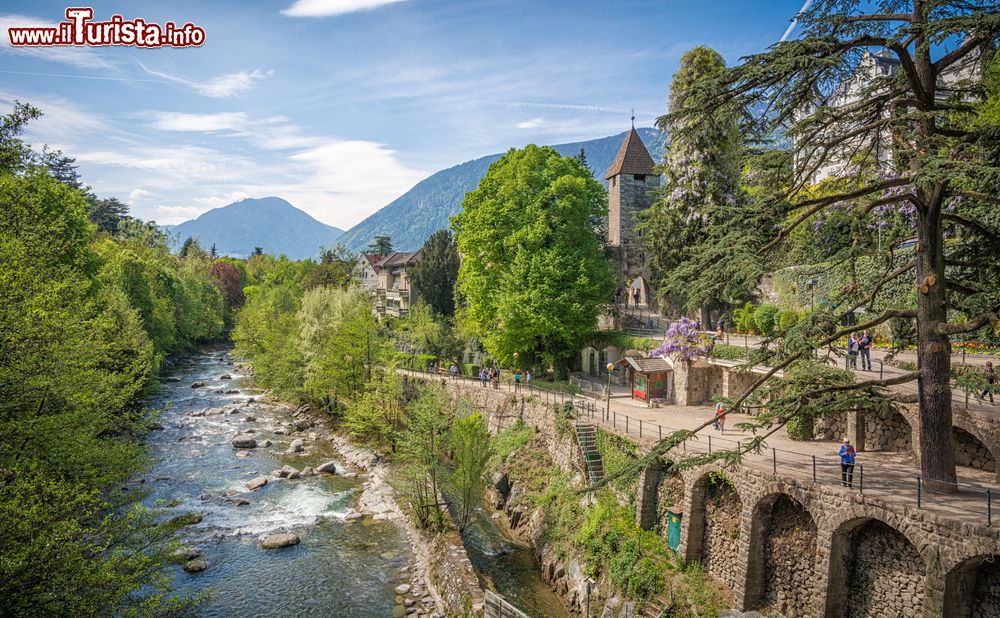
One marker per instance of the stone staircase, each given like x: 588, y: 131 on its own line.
x: 586, y: 438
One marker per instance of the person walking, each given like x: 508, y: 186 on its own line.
x: 847, y: 458
x: 720, y: 419
x: 865, y: 348
x: 496, y: 378
x: 527, y: 377
x: 517, y: 380
x: 454, y: 371
x: 991, y: 379
x: 852, y: 351
x: 635, y: 297
x: 482, y: 377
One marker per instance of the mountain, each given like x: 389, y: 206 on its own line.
x: 267, y: 222
x: 426, y: 207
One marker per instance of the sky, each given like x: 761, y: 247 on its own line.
x: 341, y: 106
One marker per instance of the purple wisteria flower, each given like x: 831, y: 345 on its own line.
x: 683, y: 341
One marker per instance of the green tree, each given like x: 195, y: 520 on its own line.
x: 340, y: 342
x: 701, y: 181
x: 470, y: 444
x: 435, y: 273
x: 422, y: 448
x: 381, y: 245
x: 533, y: 276
x: 191, y: 248
x: 376, y: 417
x: 942, y: 177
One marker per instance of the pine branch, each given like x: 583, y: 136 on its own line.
x: 952, y: 328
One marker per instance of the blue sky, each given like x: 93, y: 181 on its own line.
x: 340, y: 106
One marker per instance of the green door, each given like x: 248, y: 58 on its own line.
x: 673, y: 530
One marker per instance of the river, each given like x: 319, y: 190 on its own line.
x: 341, y: 567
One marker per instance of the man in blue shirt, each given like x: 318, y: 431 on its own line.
x: 847, y: 456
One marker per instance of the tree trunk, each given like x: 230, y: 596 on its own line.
x: 937, y: 456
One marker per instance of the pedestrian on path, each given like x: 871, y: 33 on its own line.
x: 527, y: 377
x: 720, y: 419
x: 517, y: 380
x: 454, y: 371
x: 847, y: 457
x: 991, y: 379
x: 852, y: 351
x: 865, y: 348
x: 483, y: 377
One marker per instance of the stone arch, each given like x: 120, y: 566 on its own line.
x: 971, y: 451
x: 875, y: 569
x: 714, y: 527
x: 888, y: 431
x: 972, y: 589
x: 781, y: 563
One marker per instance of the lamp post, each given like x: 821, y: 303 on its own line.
x: 607, y: 412
x: 812, y: 294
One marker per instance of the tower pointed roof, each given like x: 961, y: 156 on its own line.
x: 632, y: 157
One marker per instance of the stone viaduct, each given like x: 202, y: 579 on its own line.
x: 804, y: 549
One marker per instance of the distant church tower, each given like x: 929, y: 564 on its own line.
x: 631, y: 180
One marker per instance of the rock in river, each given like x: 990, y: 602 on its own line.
x: 276, y: 541
x: 329, y: 467
x: 198, y: 384
x: 195, y: 566
x: 244, y: 442
x: 402, y: 588
x: 297, y: 446
x: 256, y: 483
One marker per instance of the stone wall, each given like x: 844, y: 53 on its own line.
x: 888, y: 432
x: 885, y: 574
x: 699, y: 382
x: 721, y: 535
x: 736, y: 383
x: 452, y: 574
x: 986, y: 595
x: 830, y: 426
x: 969, y: 451
x: 789, y: 556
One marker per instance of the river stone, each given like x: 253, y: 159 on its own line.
x: 402, y: 588
x: 277, y: 541
x: 297, y: 446
x: 287, y: 472
x: 301, y: 424
x: 307, y: 471
x: 329, y: 467
x: 198, y: 384
x: 398, y: 612
x: 188, y: 553
x: 256, y: 483
x: 244, y: 442
x: 225, y: 376
x: 232, y: 391
x: 195, y: 566
x: 188, y: 519
x: 250, y: 418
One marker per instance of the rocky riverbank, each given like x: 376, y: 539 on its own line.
x: 441, y: 580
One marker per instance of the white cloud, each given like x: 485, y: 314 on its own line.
x: 330, y: 8
x: 138, y: 195
x: 534, y: 123
x: 172, y: 215
x: 215, y: 201
x: 221, y: 87
x: 60, y: 118
x: 203, y: 123
x: 83, y: 57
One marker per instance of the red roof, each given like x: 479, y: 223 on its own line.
x: 373, y: 258
x: 632, y: 157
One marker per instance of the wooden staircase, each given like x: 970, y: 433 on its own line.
x: 586, y: 438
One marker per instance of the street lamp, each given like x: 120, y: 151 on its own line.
x: 811, y: 284
x: 607, y: 413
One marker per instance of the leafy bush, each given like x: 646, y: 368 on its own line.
x: 800, y: 428
x: 743, y: 316
x: 617, y: 453
x: 636, y: 559
x: 729, y: 352
x: 765, y: 319
x: 787, y: 319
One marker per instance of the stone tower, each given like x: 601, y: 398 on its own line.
x: 631, y: 180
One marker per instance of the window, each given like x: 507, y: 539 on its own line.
x: 640, y: 177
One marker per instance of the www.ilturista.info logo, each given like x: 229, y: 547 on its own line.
x: 79, y: 29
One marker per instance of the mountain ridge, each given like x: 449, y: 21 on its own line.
x: 268, y: 222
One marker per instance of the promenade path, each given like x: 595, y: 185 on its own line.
x: 888, y: 476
